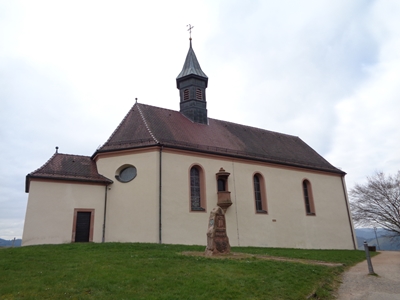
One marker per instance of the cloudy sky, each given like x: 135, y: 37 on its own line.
x: 326, y: 71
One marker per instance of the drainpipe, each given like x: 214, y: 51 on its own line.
x: 159, y: 199
x: 348, y: 212
x: 104, y: 220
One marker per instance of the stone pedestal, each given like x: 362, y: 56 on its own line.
x: 224, y: 200
x: 217, y: 239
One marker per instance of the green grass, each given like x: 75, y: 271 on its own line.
x: 152, y: 271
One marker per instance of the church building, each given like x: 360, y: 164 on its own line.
x: 161, y: 172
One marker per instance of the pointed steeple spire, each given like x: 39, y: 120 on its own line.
x: 191, y: 65
x: 192, y: 83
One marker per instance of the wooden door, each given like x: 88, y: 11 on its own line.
x: 82, y: 231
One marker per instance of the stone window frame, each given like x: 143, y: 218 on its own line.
x: 202, y: 189
x: 308, y: 197
x: 259, y: 193
x: 76, y: 210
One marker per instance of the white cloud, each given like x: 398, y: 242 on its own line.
x: 367, y: 138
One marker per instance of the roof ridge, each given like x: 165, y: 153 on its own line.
x: 38, y: 170
x: 163, y: 108
x: 87, y: 156
x: 45, y: 164
x: 116, y: 129
x: 145, y: 124
x: 218, y: 120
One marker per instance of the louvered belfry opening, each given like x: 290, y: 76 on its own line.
x: 199, y: 94
x: 186, y: 94
x: 192, y: 83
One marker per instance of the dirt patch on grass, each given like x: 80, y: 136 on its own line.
x: 237, y: 255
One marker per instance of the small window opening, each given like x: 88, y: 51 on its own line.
x: 221, y: 185
x: 186, y: 94
x: 308, y: 199
x: 199, y: 94
x: 259, y: 194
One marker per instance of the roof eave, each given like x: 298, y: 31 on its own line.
x: 180, y: 79
x: 98, y: 152
x: 105, y: 181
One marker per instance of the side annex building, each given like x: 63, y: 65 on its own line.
x: 161, y: 172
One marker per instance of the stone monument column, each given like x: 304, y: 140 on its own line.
x: 217, y: 239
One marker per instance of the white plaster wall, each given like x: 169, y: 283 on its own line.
x: 50, y: 211
x: 329, y: 229
x: 132, y: 207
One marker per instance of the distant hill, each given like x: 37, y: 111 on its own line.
x: 384, y: 240
x: 10, y: 243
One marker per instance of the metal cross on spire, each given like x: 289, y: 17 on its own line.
x: 190, y: 31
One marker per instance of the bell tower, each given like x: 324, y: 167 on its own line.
x: 192, y: 84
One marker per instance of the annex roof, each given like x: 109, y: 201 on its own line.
x: 68, y: 167
x: 146, y: 125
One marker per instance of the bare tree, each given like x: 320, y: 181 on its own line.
x: 377, y: 202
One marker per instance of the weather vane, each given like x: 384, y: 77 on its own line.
x: 190, y: 30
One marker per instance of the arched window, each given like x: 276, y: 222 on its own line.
x: 197, y: 202
x: 308, y: 198
x: 259, y: 194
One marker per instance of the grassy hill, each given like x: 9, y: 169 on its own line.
x: 153, y: 271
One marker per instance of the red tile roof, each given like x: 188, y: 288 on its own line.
x: 68, y: 167
x: 146, y: 125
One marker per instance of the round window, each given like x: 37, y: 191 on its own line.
x: 126, y: 173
